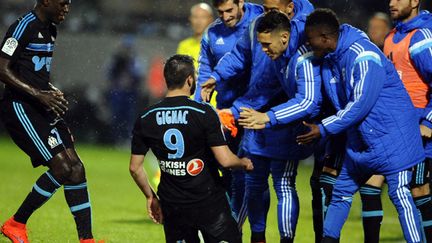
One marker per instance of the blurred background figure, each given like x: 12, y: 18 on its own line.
x: 155, y: 80
x: 124, y: 76
x: 201, y: 15
x: 379, y: 26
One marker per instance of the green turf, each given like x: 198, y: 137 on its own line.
x: 119, y: 208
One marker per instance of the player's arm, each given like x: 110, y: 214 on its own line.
x: 369, y: 76
x: 11, y: 49
x: 216, y: 141
x: 136, y: 169
x: 306, y: 101
x: 139, y: 175
x: 421, y: 53
x: 206, y: 64
x: 230, y: 64
x: 229, y: 160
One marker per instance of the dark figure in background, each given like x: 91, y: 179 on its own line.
x: 124, y: 76
x: 32, y: 111
x: 379, y: 26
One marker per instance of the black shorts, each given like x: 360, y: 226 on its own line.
x: 215, y: 222
x: 38, y: 133
x: 421, y: 173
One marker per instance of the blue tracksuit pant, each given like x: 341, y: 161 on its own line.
x: 283, y: 173
x: 349, y: 183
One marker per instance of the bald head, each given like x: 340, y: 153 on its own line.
x: 378, y: 27
x: 201, y: 15
x: 201, y: 6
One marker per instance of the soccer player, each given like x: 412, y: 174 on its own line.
x: 375, y: 112
x: 299, y: 75
x: 219, y: 39
x: 409, y: 47
x: 264, y: 90
x: 370, y: 192
x: 32, y: 111
x: 188, y: 141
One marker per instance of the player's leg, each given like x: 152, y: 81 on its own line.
x: 334, y: 154
x: 257, y: 201
x: 235, y: 187
x: 238, y: 203
x: 372, y: 212
x: 317, y: 216
x: 69, y: 167
x: 346, y: 185
x: 31, y: 131
x: 420, y: 190
x: 178, y: 224
x: 284, y: 175
x: 218, y: 225
x: 401, y: 197
x: 327, y: 181
x: 331, y: 165
x: 43, y: 189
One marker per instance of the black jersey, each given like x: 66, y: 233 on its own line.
x: 180, y: 132
x: 29, y: 44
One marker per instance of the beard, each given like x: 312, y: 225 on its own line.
x: 193, y: 88
x: 403, y: 14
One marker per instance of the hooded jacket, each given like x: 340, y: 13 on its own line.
x: 372, y: 105
x: 218, y: 40
x: 420, y: 50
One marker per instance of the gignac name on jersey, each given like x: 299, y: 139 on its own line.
x: 171, y: 117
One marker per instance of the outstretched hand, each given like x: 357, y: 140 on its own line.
x: 154, y: 210
x: 252, y: 119
x: 207, y: 89
x: 54, y: 100
x: 309, y: 137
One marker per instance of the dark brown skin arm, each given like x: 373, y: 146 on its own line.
x: 52, y: 99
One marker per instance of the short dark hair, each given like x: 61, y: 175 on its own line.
x: 216, y: 3
x: 323, y: 17
x: 274, y: 20
x: 177, y: 69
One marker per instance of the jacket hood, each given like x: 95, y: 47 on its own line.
x: 423, y: 20
x: 302, y: 8
x: 347, y: 36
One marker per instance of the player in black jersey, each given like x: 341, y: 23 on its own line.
x: 32, y: 110
x: 188, y: 141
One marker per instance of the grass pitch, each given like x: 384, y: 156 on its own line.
x: 119, y: 208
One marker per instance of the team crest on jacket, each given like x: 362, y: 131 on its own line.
x: 194, y: 167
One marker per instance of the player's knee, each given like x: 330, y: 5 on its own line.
x: 62, y: 171
x: 330, y: 171
x: 286, y: 185
x: 256, y: 191
x: 78, y: 173
x: 420, y: 190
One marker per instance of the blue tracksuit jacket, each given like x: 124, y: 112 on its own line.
x: 421, y: 55
x: 372, y: 106
x: 216, y: 42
